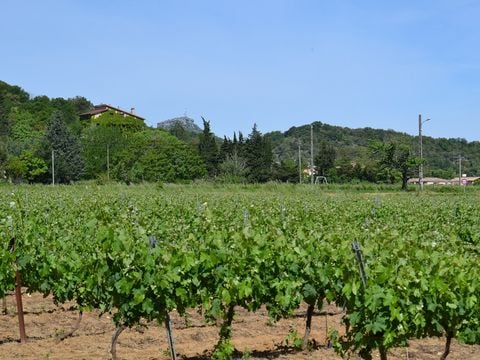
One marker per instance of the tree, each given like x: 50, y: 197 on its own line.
x: 258, y: 154
x: 226, y: 149
x: 286, y: 171
x: 80, y: 104
x: 394, y: 157
x: 69, y: 165
x: 325, y: 158
x: 179, y: 131
x: 155, y: 155
x: 24, y: 135
x: 102, y: 146
x: 233, y: 169
x: 26, y: 166
x: 208, y: 149
x: 169, y: 159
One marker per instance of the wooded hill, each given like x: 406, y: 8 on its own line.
x: 352, y: 148
x: 37, y: 131
x: 33, y: 129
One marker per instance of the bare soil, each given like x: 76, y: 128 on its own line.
x: 254, y: 336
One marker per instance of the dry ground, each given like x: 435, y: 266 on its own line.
x: 252, y: 334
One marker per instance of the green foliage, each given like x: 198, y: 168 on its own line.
x: 258, y: 154
x: 396, y: 158
x: 112, y: 119
x: 208, y: 149
x: 155, y: 155
x: 102, y: 146
x: 184, y: 134
x: 233, y: 167
x: 352, y: 147
x: 26, y: 166
x: 24, y: 134
x: 233, y: 170
x: 69, y: 165
x: 294, y: 340
x: 286, y: 171
x: 325, y: 158
x: 252, y: 246
x: 23, y: 123
x: 80, y: 104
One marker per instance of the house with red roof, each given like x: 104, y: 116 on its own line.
x: 102, y: 108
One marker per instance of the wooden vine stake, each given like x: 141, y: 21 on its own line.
x: 18, y: 298
x: 21, y: 319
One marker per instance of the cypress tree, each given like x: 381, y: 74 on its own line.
x: 258, y: 153
x: 208, y: 149
x: 226, y: 149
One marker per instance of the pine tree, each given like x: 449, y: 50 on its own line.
x: 325, y: 158
x: 69, y: 165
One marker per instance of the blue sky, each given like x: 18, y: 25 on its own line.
x: 277, y: 63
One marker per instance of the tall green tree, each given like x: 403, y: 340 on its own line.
x: 11, y: 98
x: 396, y: 157
x: 24, y: 132
x: 26, y: 167
x: 69, y: 164
x: 80, y: 104
x: 325, y: 158
x: 103, y: 147
x: 226, y: 149
x: 208, y: 149
x: 155, y: 155
x: 286, y: 171
x: 258, y: 153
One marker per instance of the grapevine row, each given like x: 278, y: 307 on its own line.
x: 217, y: 251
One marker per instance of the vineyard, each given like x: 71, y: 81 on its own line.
x: 398, y: 267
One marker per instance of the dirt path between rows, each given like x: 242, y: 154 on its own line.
x: 254, y: 336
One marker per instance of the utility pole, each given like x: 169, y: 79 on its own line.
x: 420, y: 172
x: 108, y: 162
x: 299, y: 163
x: 459, y: 170
x: 460, y: 159
x: 312, y: 169
x: 53, y: 167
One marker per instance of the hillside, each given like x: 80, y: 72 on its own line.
x: 352, y: 146
x: 44, y: 140
x: 343, y: 154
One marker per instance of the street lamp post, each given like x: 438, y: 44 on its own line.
x: 420, y: 123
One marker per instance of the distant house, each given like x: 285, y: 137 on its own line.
x: 430, y: 181
x: 466, y: 180
x: 102, y: 108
